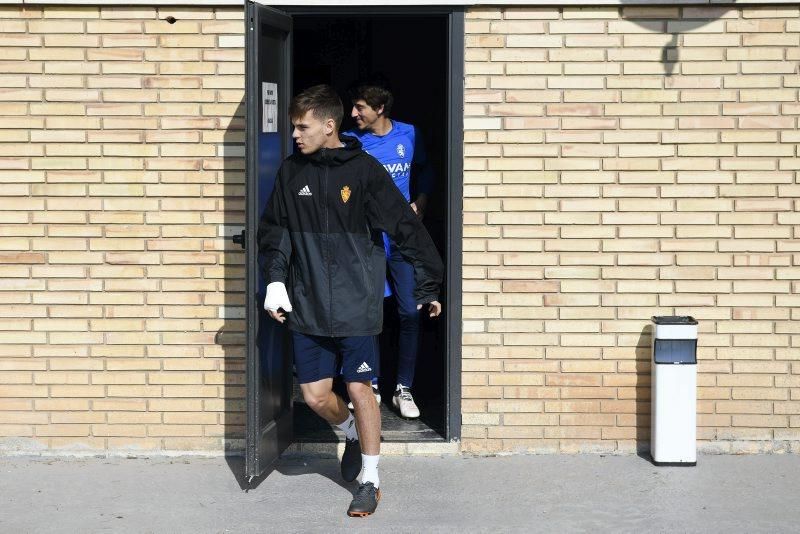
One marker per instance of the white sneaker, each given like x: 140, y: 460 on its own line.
x: 403, y: 401
x: 375, y: 391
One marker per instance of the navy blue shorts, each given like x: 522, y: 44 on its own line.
x: 316, y: 357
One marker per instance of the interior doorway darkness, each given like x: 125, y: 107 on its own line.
x: 412, y: 53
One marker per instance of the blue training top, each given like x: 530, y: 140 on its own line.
x: 398, y: 151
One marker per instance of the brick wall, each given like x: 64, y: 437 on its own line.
x: 613, y: 172
x: 602, y: 186
x: 121, y: 168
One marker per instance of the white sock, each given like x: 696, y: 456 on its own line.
x: 370, y: 466
x: 349, y: 427
x: 400, y: 386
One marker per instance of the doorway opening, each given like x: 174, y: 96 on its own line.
x: 412, y: 53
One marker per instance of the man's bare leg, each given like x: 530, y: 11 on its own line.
x: 368, y: 416
x: 320, y: 397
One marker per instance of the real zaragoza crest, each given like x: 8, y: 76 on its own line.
x: 345, y: 194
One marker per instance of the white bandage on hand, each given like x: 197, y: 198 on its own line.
x: 277, y: 297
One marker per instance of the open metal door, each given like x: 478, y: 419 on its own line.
x: 269, y: 362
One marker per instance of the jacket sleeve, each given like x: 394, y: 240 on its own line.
x: 274, y: 242
x: 389, y: 211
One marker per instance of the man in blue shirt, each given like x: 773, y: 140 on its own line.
x: 399, y: 148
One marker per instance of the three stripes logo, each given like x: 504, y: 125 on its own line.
x: 305, y: 192
x: 363, y: 368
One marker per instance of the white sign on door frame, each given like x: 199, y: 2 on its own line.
x: 269, y: 104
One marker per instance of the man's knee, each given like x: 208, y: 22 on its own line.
x: 316, y: 397
x: 315, y: 401
x: 360, y: 391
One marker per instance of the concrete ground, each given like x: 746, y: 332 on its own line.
x: 420, y: 494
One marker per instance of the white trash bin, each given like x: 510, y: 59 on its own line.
x: 673, y: 425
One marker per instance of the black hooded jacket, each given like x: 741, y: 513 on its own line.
x: 320, y: 235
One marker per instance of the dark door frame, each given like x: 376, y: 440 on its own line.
x: 455, y: 185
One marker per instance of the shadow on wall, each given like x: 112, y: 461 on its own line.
x: 691, y: 18
x: 642, y: 396
x: 231, y: 336
x: 672, y: 29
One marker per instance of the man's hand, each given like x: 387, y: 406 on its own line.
x: 277, y: 315
x: 276, y: 299
x: 434, y: 308
x: 419, y: 205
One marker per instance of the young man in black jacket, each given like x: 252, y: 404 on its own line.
x: 321, y: 235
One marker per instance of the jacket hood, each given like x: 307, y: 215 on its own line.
x: 333, y: 157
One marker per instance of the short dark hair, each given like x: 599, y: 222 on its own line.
x: 375, y: 91
x: 321, y: 100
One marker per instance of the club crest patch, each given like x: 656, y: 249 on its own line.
x: 345, y: 194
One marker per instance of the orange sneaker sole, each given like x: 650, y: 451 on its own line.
x: 365, y: 514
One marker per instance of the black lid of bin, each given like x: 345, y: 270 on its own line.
x: 674, y: 319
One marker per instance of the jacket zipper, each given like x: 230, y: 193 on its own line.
x: 328, y: 250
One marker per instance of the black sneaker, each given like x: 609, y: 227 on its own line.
x: 365, y: 500
x: 351, y: 460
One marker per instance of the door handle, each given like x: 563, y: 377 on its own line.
x: 239, y: 239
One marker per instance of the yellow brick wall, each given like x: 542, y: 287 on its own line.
x: 602, y: 186
x: 623, y: 163
x: 121, y: 169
